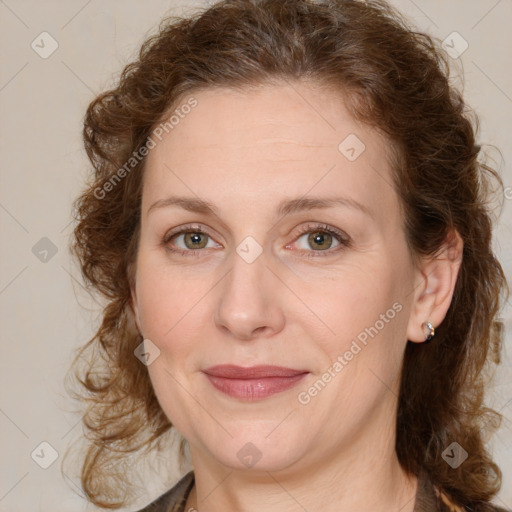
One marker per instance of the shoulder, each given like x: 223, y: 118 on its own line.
x: 446, y: 505
x: 174, y: 499
x: 430, y: 498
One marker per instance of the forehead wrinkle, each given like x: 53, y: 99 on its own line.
x: 265, y: 142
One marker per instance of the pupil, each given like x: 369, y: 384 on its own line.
x: 319, y: 239
x: 192, y: 239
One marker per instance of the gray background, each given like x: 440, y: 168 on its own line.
x: 44, y: 312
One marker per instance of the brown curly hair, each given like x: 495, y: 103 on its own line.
x: 396, y: 80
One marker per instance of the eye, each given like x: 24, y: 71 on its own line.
x: 321, y: 238
x: 318, y: 240
x: 188, y: 240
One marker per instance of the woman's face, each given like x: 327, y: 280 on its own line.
x: 274, y: 278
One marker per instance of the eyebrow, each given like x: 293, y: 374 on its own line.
x: 286, y: 207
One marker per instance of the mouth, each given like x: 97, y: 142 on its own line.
x: 253, y: 383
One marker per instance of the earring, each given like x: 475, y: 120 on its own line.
x: 431, y: 332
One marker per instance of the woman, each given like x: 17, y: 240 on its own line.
x: 289, y: 222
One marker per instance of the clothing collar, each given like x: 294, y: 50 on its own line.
x: 428, y: 498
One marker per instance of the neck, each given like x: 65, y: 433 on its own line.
x: 379, y: 491
x: 363, y: 474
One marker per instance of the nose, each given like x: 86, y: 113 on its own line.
x: 249, y: 300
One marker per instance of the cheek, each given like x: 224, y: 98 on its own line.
x: 364, y: 312
x: 173, y: 308
x: 162, y: 294
x: 356, y: 295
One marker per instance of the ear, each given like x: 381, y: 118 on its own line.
x: 434, y: 286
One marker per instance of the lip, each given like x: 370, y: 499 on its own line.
x: 254, y: 382
x: 231, y: 371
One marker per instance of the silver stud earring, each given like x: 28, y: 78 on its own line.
x: 431, y: 332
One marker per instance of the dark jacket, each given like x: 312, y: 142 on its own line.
x: 427, y: 499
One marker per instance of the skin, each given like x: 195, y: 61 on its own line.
x: 245, y: 152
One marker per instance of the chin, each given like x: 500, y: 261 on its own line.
x: 260, y: 452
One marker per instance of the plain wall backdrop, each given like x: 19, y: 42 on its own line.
x: 44, y: 312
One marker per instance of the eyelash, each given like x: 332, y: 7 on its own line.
x: 342, y: 238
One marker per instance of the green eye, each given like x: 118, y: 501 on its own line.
x: 195, y: 240
x: 321, y: 239
x: 190, y: 240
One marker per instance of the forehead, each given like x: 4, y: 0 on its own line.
x: 281, y: 139
x: 300, y: 112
